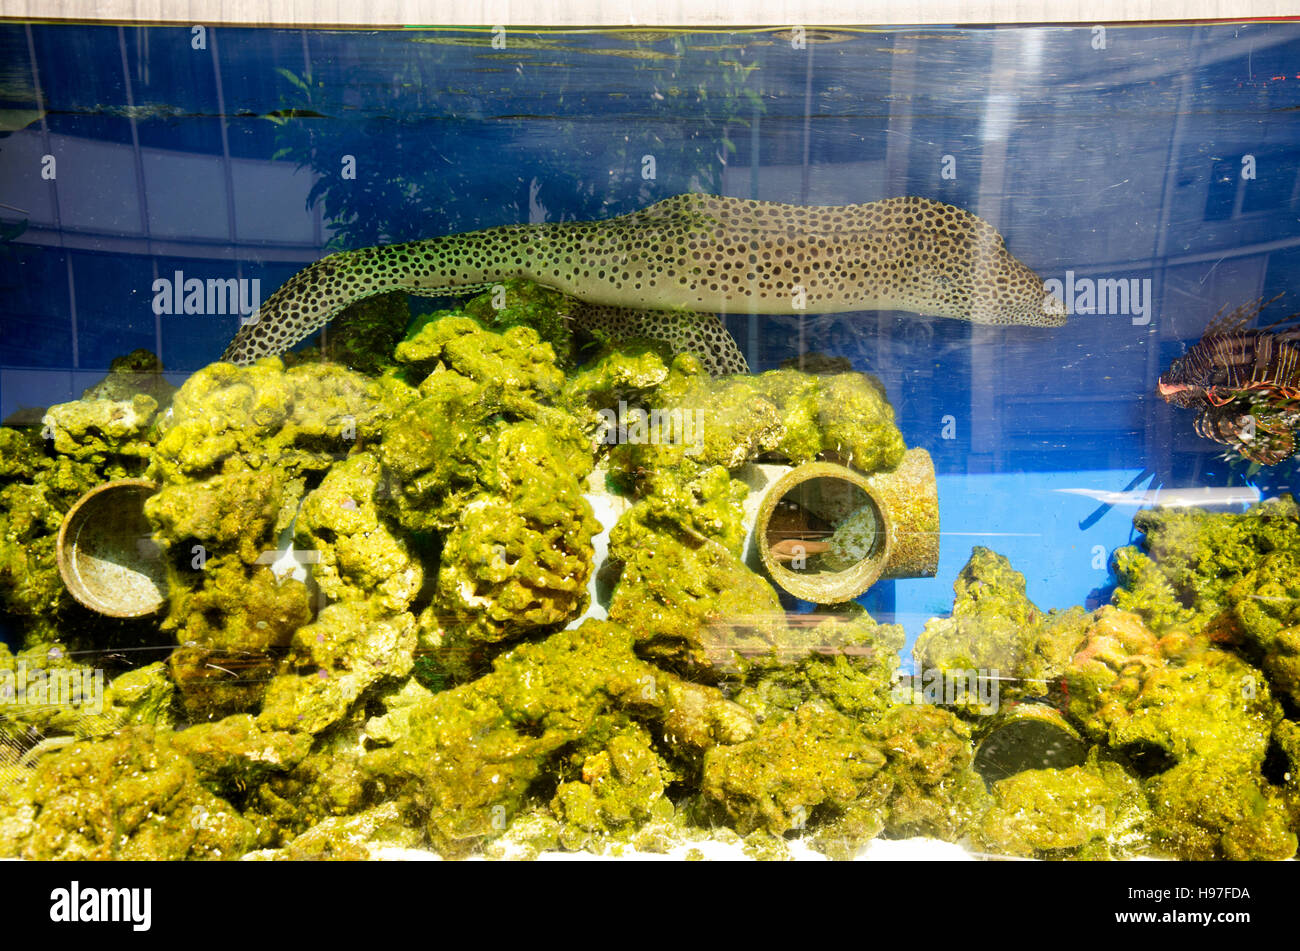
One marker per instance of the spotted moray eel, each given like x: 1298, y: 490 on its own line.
x: 666, y: 271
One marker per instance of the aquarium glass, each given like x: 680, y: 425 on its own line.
x: 759, y: 442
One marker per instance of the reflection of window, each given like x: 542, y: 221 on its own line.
x: 1274, y: 184
x: 1222, y: 196
x: 1273, y: 187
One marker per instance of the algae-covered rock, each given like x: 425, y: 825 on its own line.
x: 333, y: 781
x: 127, y: 797
x: 695, y: 603
x: 297, y: 420
x: 524, y: 304
x: 1197, y: 720
x: 38, y: 486
x: 1201, y: 555
x: 1219, y: 808
x: 933, y: 787
x: 361, y: 554
x: 51, y: 697
x: 233, y: 464
x: 471, y: 753
x: 697, y: 717
x: 1183, y: 699
x: 683, y: 587
x: 350, y: 838
x: 815, y: 759
x: 997, y: 632
x: 229, y: 626
x: 1266, y: 606
x: 232, y: 755
x: 1092, y: 811
x: 135, y: 373
x: 236, y: 511
x: 620, y: 787
x: 113, y: 422
x: 783, y: 413
x: 363, y: 336
x: 1145, y: 590
x: 519, y: 553
x: 527, y: 837
x: 350, y: 647
x: 140, y: 697
x: 856, y: 423
x: 512, y: 365
x: 98, y: 428
x: 844, y: 658
x: 399, y: 703
x: 629, y: 374
x: 484, y: 460
x: 733, y: 420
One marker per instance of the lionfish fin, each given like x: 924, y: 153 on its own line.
x: 1238, y: 319
x: 1281, y: 320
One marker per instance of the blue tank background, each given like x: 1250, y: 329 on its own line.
x: 1122, y: 162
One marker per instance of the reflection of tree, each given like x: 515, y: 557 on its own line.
x: 857, y: 333
x: 433, y: 158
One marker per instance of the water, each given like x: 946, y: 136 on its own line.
x: 1167, y: 157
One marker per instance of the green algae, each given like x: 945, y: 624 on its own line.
x: 1200, y: 556
x: 137, y: 373
x: 439, y: 505
x: 545, y: 311
x: 363, y: 336
x: 933, y: 787
x: 123, y: 797
x: 1266, y: 607
x: 43, y: 472
x: 621, y: 786
x: 815, y: 759
x: 233, y: 464
x: 471, y: 754
x: 114, y: 422
x: 683, y: 587
x: 96, y: 429
x: 1096, y: 810
x: 996, y: 630
x: 1187, y: 699
x: 513, y: 364
x: 349, y: 647
x: 1147, y: 591
x: 782, y: 414
x: 349, y: 838
x: 442, y: 506
x: 232, y: 755
x: 361, y: 553
x: 51, y: 695
x: 1220, y: 809
x: 845, y: 659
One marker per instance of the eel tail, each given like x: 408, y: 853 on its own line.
x: 318, y: 293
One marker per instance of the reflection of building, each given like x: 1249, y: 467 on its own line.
x: 135, y: 195
x: 1141, y: 148
x: 1114, y: 164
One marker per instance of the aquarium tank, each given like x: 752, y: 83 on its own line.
x: 500, y: 442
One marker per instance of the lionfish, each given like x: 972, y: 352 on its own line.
x: 1245, y: 383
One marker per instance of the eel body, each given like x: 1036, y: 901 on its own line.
x: 663, y: 271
